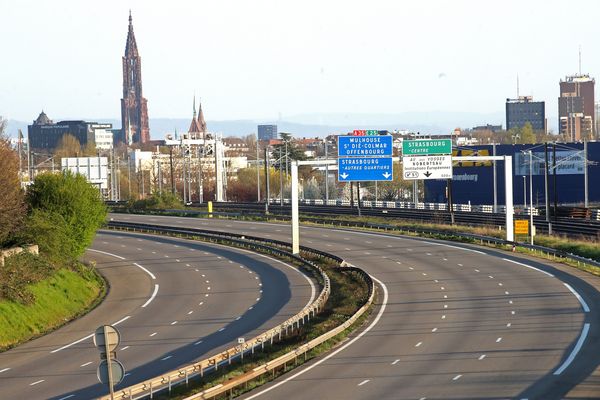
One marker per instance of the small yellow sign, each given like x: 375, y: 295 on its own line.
x: 521, y: 227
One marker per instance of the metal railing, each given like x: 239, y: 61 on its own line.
x: 288, y: 327
x: 273, y: 365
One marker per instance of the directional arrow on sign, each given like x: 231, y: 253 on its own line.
x: 387, y: 175
x: 344, y: 175
x: 427, y: 174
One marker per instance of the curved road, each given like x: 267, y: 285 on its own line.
x: 454, y: 322
x: 173, y: 301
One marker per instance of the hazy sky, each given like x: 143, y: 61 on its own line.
x: 262, y: 59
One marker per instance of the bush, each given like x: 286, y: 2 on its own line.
x: 65, y: 212
x: 18, y: 272
x: 158, y: 200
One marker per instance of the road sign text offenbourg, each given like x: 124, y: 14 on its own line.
x: 357, y: 146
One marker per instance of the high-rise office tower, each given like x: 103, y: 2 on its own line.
x: 576, y: 105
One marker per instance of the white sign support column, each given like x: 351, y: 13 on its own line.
x: 295, y: 211
x: 508, y: 188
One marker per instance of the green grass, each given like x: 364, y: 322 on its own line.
x: 58, y: 299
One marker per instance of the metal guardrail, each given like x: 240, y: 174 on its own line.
x: 272, y: 365
x: 167, y: 380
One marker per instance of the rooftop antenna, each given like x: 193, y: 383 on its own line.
x: 579, y: 59
x: 517, y: 86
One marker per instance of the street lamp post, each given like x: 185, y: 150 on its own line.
x: 531, y: 227
x: 326, y: 176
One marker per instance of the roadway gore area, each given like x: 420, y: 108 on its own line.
x: 349, y: 292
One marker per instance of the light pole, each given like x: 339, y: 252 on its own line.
x: 257, y: 172
x: 524, y: 194
x: 531, y: 197
x: 326, y: 176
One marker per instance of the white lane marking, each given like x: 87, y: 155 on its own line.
x: 510, y: 302
x: 258, y: 298
x: 36, y: 382
x: 250, y: 308
x: 73, y: 343
x: 166, y: 358
x: 457, y: 377
x: 4, y: 370
x: 460, y: 265
x: 187, y: 265
x: 197, y: 343
x: 67, y: 397
x: 221, y: 330
x: 145, y: 270
x: 206, y: 295
x: 500, y: 284
x: 173, y: 323
x: 436, y: 281
x: 363, y: 382
x: 490, y: 276
x: 208, y: 287
x: 445, y: 259
x: 411, y: 268
x: 121, y: 320
x: 108, y: 254
x: 428, y: 254
x: 443, y: 288
x: 498, y: 340
x: 506, y: 292
x: 238, y: 318
x: 445, y: 296
x: 529, y: 266
x: 177, y: 260
x: 86, y: 364
x: 395, y: 362
x: 418, y: 344
x: 398, y: 262
x: 153, y: 334
x: 481, y: 357
x: 443, y: 317
x: 508, y: 325
x: 583, y: 303
x: 445, y: 305
x: 569, y: 360
x: 200, y: 303
x: 125, y: 348
x: 138, y: 249
x: 477, y: 270
x: 190, y: 312
x: 424, y: 274
x: 152, y: 296
x: 434, y: 330
x: 357, y: 337
x: 512, y: 312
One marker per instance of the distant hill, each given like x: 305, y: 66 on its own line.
x: 317, y: 124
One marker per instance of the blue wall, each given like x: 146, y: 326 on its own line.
x: 474, y: 183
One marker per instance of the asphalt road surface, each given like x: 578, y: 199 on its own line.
x: 453, y: 321
x: 173, y: 301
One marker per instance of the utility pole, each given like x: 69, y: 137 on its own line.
x: 200, y: 183
x: 495, y: 178
x: 257, y: 172
x: 172, y: 177
x: 267, y: 180
x: 281, y: 176
x: 585, y: 173
x: 326, y: 176
x: 554, y: 179
x: 531, y: 227
x: 546, y: 188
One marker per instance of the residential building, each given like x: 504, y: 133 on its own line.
x: 576, y: 107
x: 523, y: 110
x: 267, y: 132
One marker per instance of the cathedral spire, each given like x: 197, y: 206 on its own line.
x: 201, y: 121
x: 194, y: 128
x: 134, y: 107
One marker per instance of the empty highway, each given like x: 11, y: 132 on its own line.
x: 173, y: 301
x: 453, y: 321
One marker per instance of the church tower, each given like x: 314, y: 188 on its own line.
x: 134, y: 107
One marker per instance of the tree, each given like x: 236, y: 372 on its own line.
x: 66, y: 208
x: 527, y: 134
x: 12, y: 207
x: 68, y: 146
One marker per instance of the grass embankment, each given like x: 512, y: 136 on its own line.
x: 36, y: 297
x: 348, y: 294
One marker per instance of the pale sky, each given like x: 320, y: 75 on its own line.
x: 259, y: 59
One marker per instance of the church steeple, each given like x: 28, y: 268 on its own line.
x: 134, y: 107
x: 194, y: 129
x: 201, y: 121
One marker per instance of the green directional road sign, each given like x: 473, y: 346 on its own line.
x: 426, y: 147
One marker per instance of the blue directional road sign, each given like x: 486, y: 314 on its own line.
x: 353, y: 169
x: 361, y: 146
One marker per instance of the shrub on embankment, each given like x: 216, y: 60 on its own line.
x: 40, y: 293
